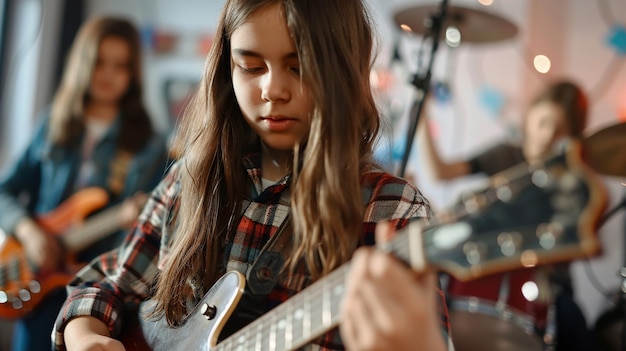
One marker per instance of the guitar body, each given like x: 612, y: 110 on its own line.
x: 21, y: 288
x: 199, y: 332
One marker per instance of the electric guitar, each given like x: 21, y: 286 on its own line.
x: 530, y: 215
x: 21, y: 288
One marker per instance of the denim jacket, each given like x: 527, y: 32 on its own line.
x: 44, y: 176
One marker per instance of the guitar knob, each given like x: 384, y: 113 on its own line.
x: 208, y: 311
x: 34, y: 286
x: 4, y: 298
x: 568, y: 183
x: 541, y: 178
x: 510, y: 242
x: 24, y: 295
x: 17, y: 303
x: 504, y: 193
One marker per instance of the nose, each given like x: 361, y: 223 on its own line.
x: 275, y: 87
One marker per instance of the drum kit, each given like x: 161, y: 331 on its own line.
x: 492, y: 313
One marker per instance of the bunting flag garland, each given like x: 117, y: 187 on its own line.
x: 617, y: 39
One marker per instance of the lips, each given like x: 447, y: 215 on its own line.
x: 278, y: 123
x: 276, y: 117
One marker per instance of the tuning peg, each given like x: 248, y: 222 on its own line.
x: 24, y: 295
x: 474, y: 252
x: 548, y: 234
x: 510, y: 242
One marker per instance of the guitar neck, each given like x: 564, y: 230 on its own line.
x: 93, y: 229
x: 292, y: 324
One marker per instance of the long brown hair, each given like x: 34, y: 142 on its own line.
x: 67, y: 120
x: 334, y: 44
x: 571, y: 99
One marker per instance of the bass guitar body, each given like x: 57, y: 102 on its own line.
x: 21, y: 287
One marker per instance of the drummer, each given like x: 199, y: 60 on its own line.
x: 559, y: 111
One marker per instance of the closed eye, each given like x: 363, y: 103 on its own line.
x: 250, y: 70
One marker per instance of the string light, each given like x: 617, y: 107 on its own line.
x: 486, y: 2
x: 453, y: 36
x: 530, y: 291
x: 542, y: 63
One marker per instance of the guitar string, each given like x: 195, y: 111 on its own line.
x: 310, y: 297
x: 11, y: 271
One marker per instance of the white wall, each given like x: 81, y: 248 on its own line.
x: 29, y: 71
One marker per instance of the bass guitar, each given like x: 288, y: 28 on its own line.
x: 530, y: 215
x: 21, y: 287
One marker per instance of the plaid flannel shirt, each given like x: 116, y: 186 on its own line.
x: 113, y: 282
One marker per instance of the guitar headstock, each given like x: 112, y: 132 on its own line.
x: 532, y: 214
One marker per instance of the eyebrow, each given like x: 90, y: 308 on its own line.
x: 250, y: 53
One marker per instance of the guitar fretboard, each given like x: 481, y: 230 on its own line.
x: 93, y: 229
x: 293, y: 323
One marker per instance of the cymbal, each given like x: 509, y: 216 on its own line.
x: 606, y: 150
x: 475, y: 26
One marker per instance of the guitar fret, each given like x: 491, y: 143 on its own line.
x: 273, y: 335
x: 306, y: 318
x: 298, y: 325
x: 288, y: 328
x: 228, y: 344
x: 280, y: 336
x: 316, y: 311
x: 325, y: 306
x: 324, y: 313
x: 4, y: 274
x: 337, y: 298
x: 259, y: 335
x: 13, y: 269
x: 242, y: 341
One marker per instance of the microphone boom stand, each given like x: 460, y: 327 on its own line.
x: 422, y: 82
